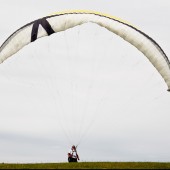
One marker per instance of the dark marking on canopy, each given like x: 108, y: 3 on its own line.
x: 45, y: 24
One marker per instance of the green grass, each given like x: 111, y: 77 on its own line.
x: 89, y: 165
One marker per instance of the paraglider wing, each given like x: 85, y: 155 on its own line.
x: 63, y: 21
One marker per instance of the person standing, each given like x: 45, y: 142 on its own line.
x: 72, y: 155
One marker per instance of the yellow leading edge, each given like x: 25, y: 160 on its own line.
x: 92, y: 12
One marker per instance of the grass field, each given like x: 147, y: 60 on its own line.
x: 89, y: 165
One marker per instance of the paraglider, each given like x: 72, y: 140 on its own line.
x: 49, y: 25
x: 73, y: 155
x: 65, y: 20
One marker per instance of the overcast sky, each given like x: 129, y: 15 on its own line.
x: 84, y: 86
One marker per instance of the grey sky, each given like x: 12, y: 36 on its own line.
x: 117, y: 99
